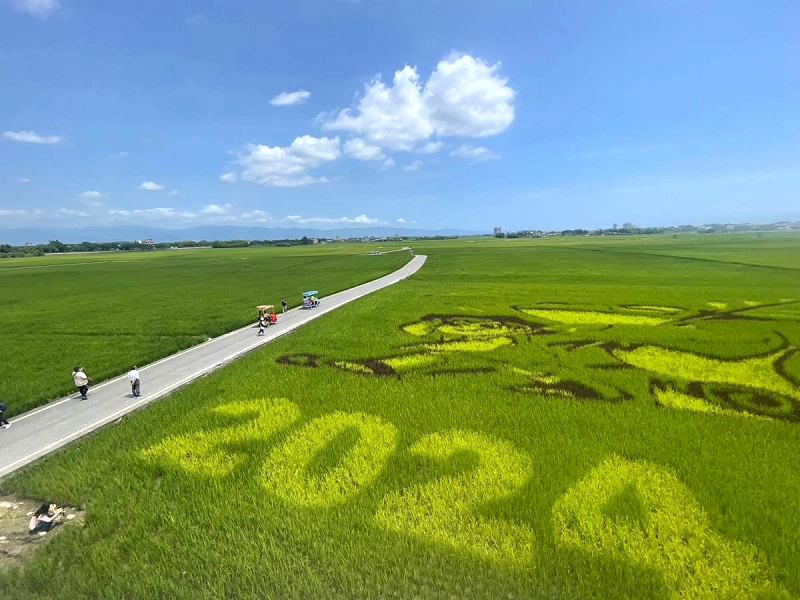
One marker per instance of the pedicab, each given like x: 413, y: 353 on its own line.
x: 310, y: 299
x: 267, y: 312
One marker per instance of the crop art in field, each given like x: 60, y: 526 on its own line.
x: 580, y: 339
x: 635, y: 511
x: 638, y: 511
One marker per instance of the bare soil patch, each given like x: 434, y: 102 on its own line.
x: 16, y: 544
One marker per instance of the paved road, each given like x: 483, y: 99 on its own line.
x: 43, y: 430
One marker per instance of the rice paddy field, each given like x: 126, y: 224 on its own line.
x: 108, y: 311
x: 575, y: 418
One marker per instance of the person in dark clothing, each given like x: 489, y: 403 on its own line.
x: 3, y: 421
x: 44, y: 518
x: 284, y: 306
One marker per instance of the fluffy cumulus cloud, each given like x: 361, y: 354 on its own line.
x: 37, y: 8
x: 361, y: 150
x: 464, y: 97
x: 467, y: 98
x: 288, y: 166
x: 474, y: 153
x: 393, y: 117
x: 31, y: 137
x: 290, y: 98
x: 151, y: 186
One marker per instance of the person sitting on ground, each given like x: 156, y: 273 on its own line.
x: 44, y: 518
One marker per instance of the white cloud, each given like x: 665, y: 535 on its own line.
x: 431, y: 148
x: 91, y: 198
x: 392, y: 117
x: 288, y: 166
x: 229, y: 177
x: 413, y: 166
x: 31, y: 137
x: 217, y: 209
x: 474, y: 153
x: 290, y: 98
x: 258, y: 216
x: 464, y: 97
x: 23, y: 180
x: 13, y: 212
x: 151, y: 186
x: 154, y: 214
x: 358, y: 220
x: 37, y: 8
x: 174, y: 192
x: 69, y: 212
x: 402, y: 221
x: 388, y: 164
x: 360, y: 150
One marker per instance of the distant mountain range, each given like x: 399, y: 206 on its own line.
x: 19, y: 237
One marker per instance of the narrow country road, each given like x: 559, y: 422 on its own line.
x: 40, y: 431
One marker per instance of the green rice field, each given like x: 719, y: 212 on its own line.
x: 566, y: 418
x: 108, y: 311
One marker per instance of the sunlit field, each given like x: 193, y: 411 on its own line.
x: 578, y: 418
x: 111, y: 310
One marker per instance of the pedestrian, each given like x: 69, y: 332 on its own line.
x: 133, y: 377
x: 284, y: 306
x: 3, y: 421
x: 262, y: 323
x: 81, y: 381
x: 43, y: 520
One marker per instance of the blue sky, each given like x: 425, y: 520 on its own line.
x: 459, y: 114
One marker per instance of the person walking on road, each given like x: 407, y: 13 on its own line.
x: 284, y: 306
x: 3, y: 421
x: 133, y: 377
x: 81, y: 381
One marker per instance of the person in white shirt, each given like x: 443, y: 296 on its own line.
x: 81, y: 381
x: 133, y: 377
x: 43, y: 520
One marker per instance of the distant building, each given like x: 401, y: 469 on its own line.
x: 498, y: 231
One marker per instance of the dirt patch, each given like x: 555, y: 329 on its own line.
x: 16, y: 544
